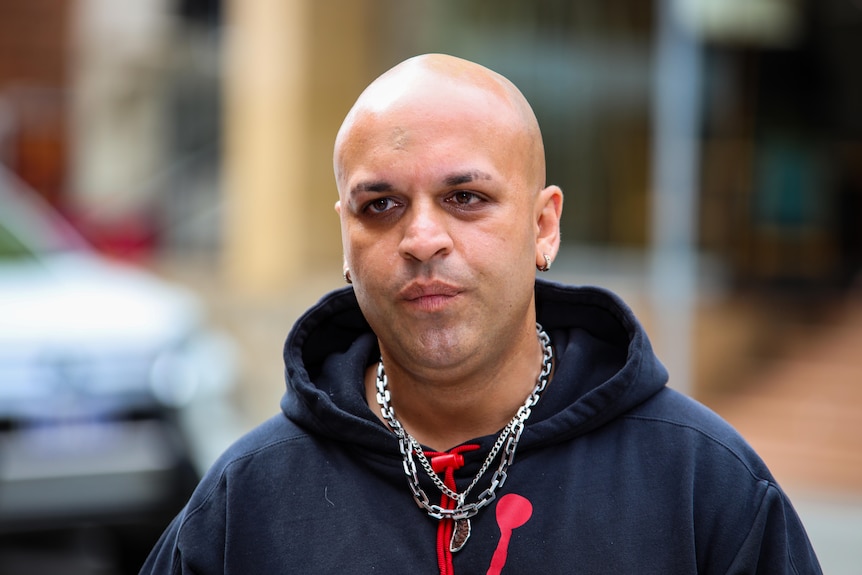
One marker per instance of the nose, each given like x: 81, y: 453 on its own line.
x: 426, y: 234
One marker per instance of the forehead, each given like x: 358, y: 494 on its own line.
x: 432, y: 122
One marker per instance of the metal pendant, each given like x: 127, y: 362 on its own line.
x: 460, y: 535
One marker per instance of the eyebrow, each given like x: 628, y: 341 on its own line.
x: 379, y: 187
x: 456, y: 179
x: 466, y: 178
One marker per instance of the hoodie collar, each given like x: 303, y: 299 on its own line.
x: 605, y: 367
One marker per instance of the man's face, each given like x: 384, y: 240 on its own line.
x: 439, y: 227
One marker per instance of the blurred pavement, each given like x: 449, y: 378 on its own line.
x: 803, y: 413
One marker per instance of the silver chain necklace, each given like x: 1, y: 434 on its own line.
x: 507, y: 441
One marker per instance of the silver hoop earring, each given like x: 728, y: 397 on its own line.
x: 346, y: 275
x: 547, y: 265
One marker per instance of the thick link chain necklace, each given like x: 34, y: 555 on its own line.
x: 507, y: 441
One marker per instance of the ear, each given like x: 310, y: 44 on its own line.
x: 549, y: 209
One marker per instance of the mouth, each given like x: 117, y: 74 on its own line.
x: 429, y: 295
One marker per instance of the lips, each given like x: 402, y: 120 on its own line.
x: 418, y: 291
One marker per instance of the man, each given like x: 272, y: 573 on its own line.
x: 431, y: 425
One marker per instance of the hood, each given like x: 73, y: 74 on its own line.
x: 605, y: 366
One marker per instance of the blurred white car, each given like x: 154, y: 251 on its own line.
x: 104, y: 371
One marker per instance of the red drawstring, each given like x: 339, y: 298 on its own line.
x: 447, y: 462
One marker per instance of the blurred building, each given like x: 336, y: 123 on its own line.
x: 205, y: 127
x: 200, y: 132
x: 33, y: 108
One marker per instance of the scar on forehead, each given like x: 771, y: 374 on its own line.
x: 399, y: 138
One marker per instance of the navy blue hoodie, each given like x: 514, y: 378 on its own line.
x: 615, y: 473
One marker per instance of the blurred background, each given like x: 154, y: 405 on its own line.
x: 166, y: 212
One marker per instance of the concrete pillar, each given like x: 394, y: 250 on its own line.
x: 346, y: 59
x: 293, y: 69
x: 267, y: 64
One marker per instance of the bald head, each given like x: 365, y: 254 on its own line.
x: 451, y: 90
x: 440, y: 173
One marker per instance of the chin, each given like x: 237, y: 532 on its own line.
x: 444, y: 347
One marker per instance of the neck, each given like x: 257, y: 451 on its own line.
x: 443, y: 412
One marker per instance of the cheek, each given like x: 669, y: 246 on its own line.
x: 356, y: 242
x: 373, y: 263
x: 505, y: 241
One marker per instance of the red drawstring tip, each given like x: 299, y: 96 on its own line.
x: 447, y: 461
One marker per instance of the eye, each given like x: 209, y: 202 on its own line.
x: 380, y: 205
x: 463, y: 198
